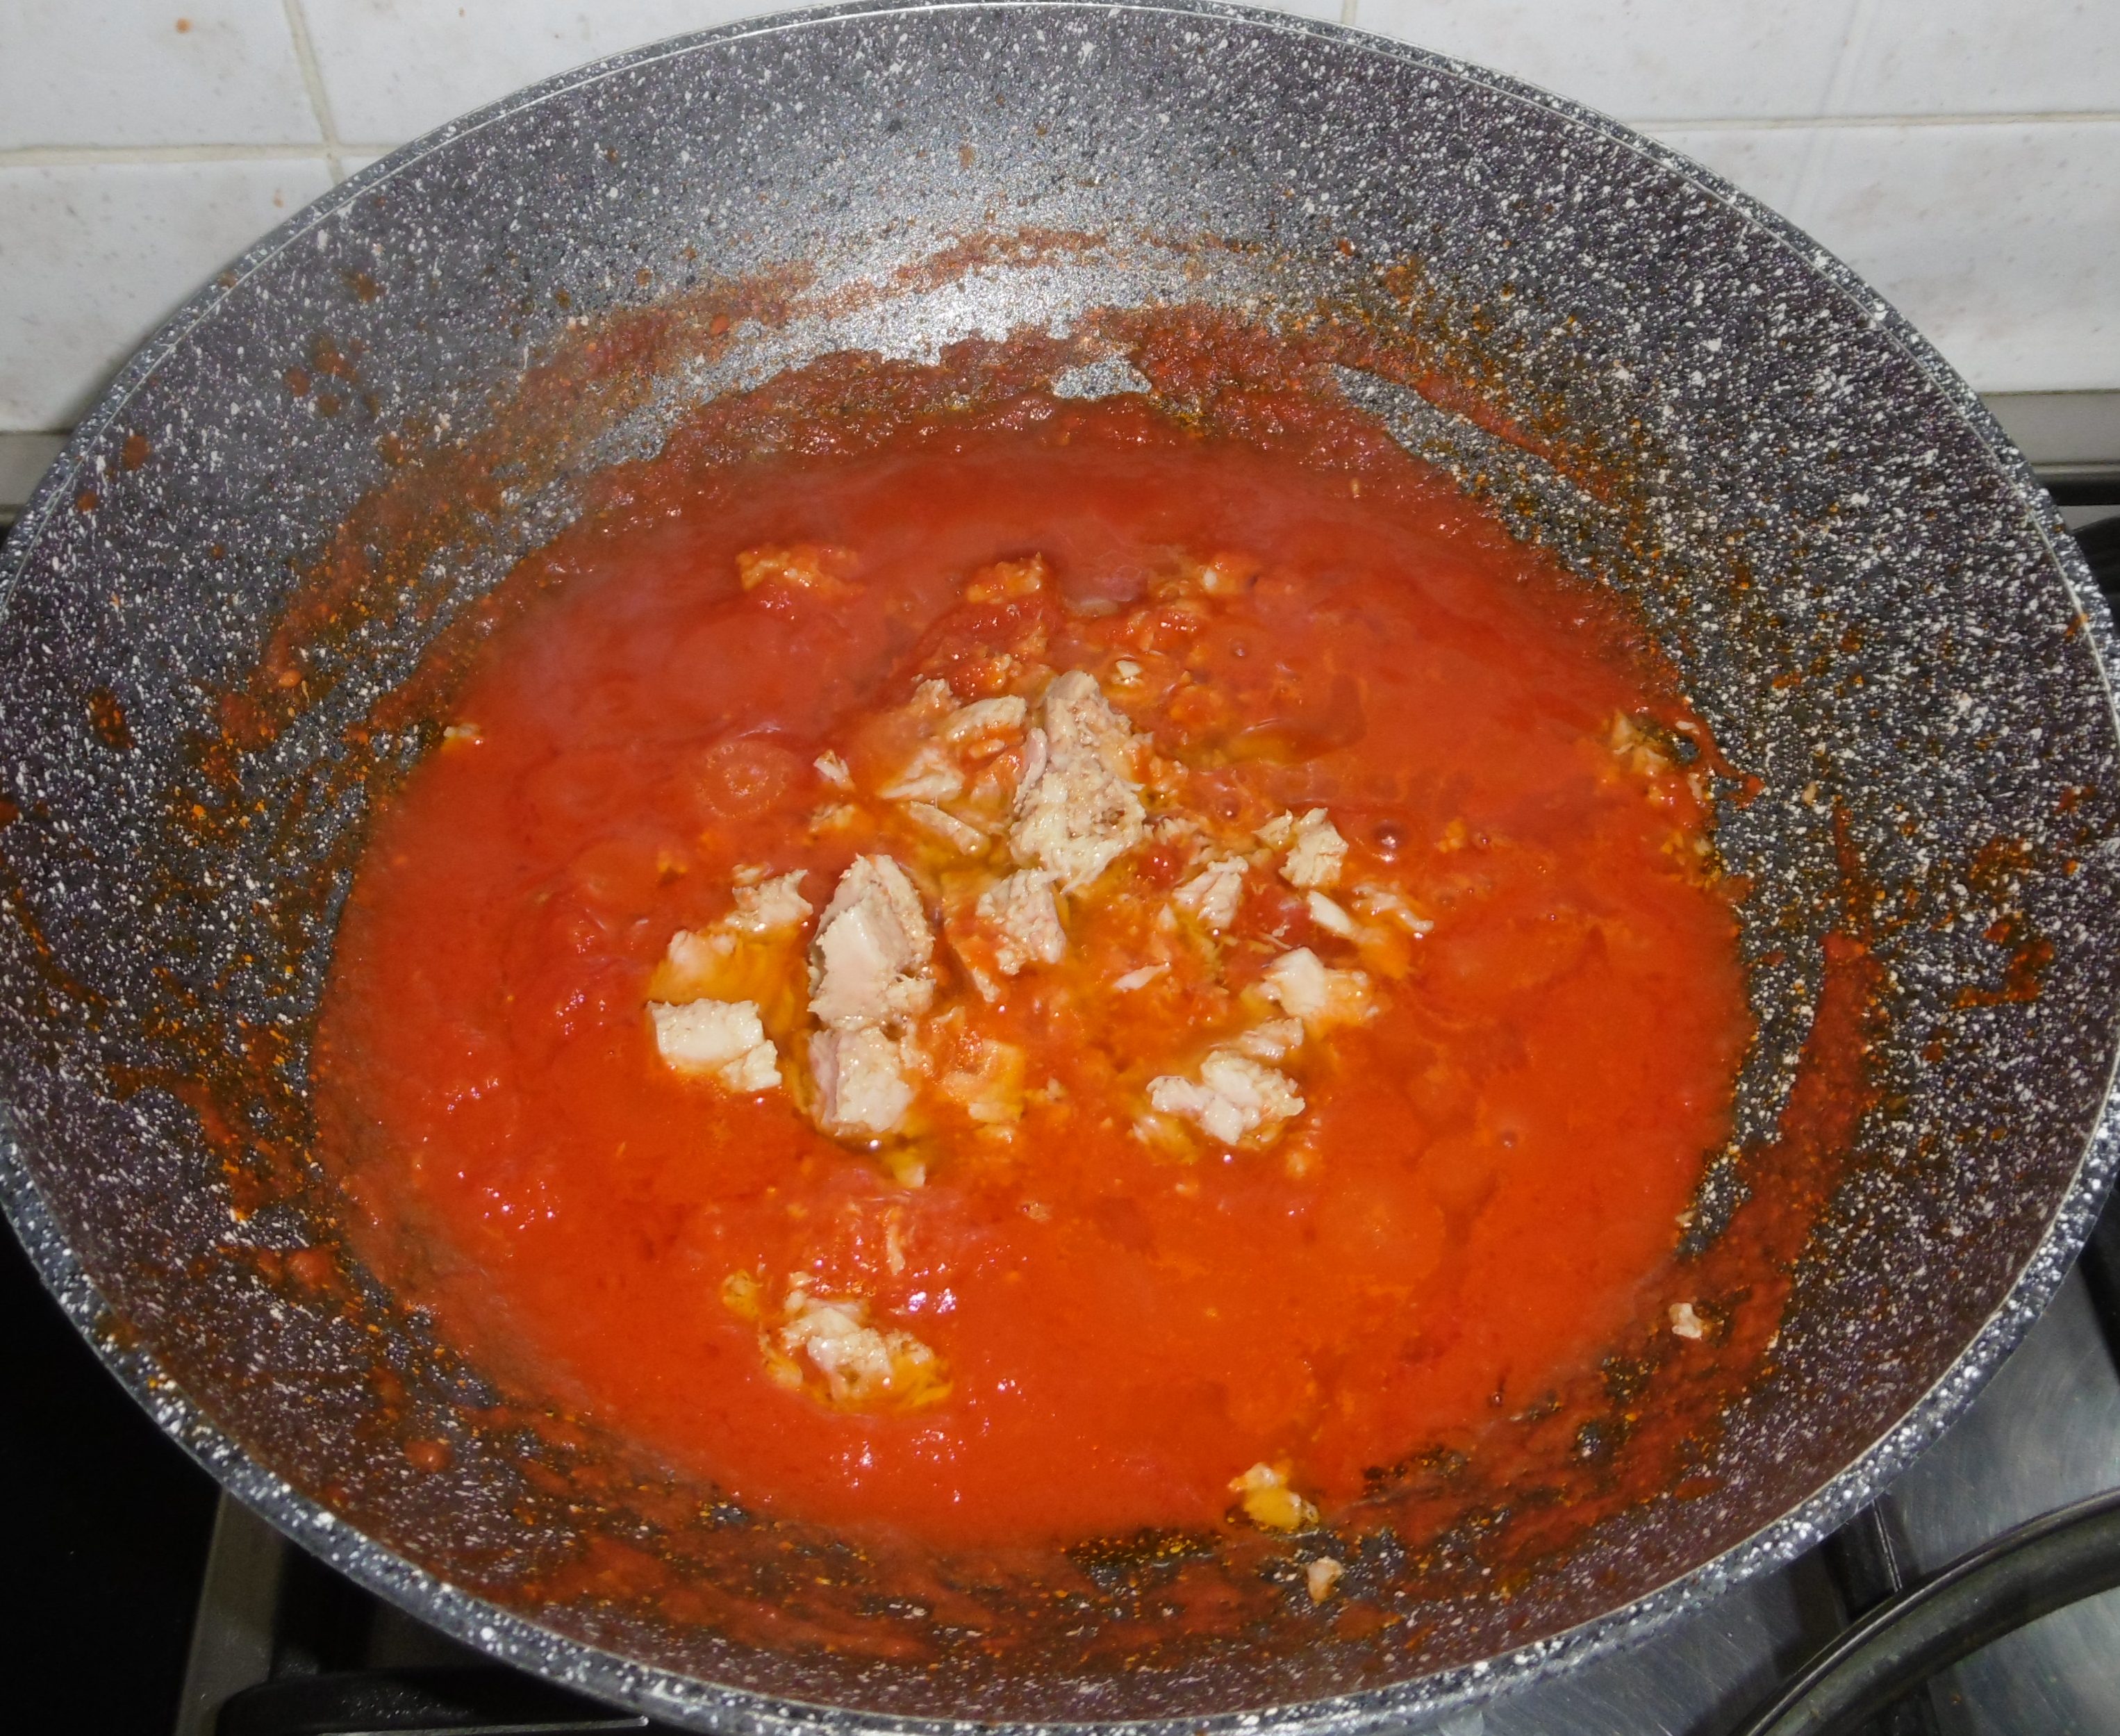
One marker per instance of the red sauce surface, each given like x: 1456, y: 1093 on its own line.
x: 1480, y: 1194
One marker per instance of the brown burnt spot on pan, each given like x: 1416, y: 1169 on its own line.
x: 1999, y: 867
x: 328, y: 359
x: 1997, y: 873
x: 2027, y: 956
x: 364, y: 288
x: 234, y: 1077
x: 314, y: 1268
x: 106, y: 717
x: 983, y: 251
x: 135, y: 451
x: 60, y: 988
x: 429, y: 1456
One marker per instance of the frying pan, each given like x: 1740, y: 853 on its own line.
x: 216, y: 605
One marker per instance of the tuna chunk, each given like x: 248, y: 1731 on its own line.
x: 868, y: 964
x: 1140, y: 979
x: 1270, y: 1503
x: 1381, y: 903
x: 859, y: 1367
x: 939, y: 822
x: 1304, y: 986
x: 1331, y: 917
x: 864, y: 1080
x: 1315, y: 850
x: 1272, y: 1041
x: 1081, y: 808
x: 1235, y: 1096
x: 988, y: 1082
x: 1212, y: 894
x: 696, y: 958
x: 767, y: 906
x: 1025, y: 921
x: 986, y: 724
x: 722, y: 1038
x: 1035, y: 754
x: 930, y: 775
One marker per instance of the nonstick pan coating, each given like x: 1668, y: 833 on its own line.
x: 1867, y: 597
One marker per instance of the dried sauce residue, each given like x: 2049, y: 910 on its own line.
x: 1997, y: 872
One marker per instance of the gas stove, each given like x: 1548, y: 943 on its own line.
x: 114, y: 1523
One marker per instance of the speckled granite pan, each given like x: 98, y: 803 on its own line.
x: 1869, y: 597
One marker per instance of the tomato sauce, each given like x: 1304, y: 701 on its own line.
x: 1124, y: 1315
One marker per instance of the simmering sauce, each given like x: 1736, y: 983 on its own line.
x: 1060, y: 976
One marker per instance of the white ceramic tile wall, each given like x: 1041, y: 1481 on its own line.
x: 95, y: 254
x: 1965, y: 154
x: 1643, y: 59
x: 2031, y: 284
x: 115, y: 73
x: 1986, y: 56
x: 444, y: 59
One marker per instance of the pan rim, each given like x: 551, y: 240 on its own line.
x: 515, y: 1638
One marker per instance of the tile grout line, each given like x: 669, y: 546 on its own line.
x: 1811, y: 173
x: 313, y: 81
